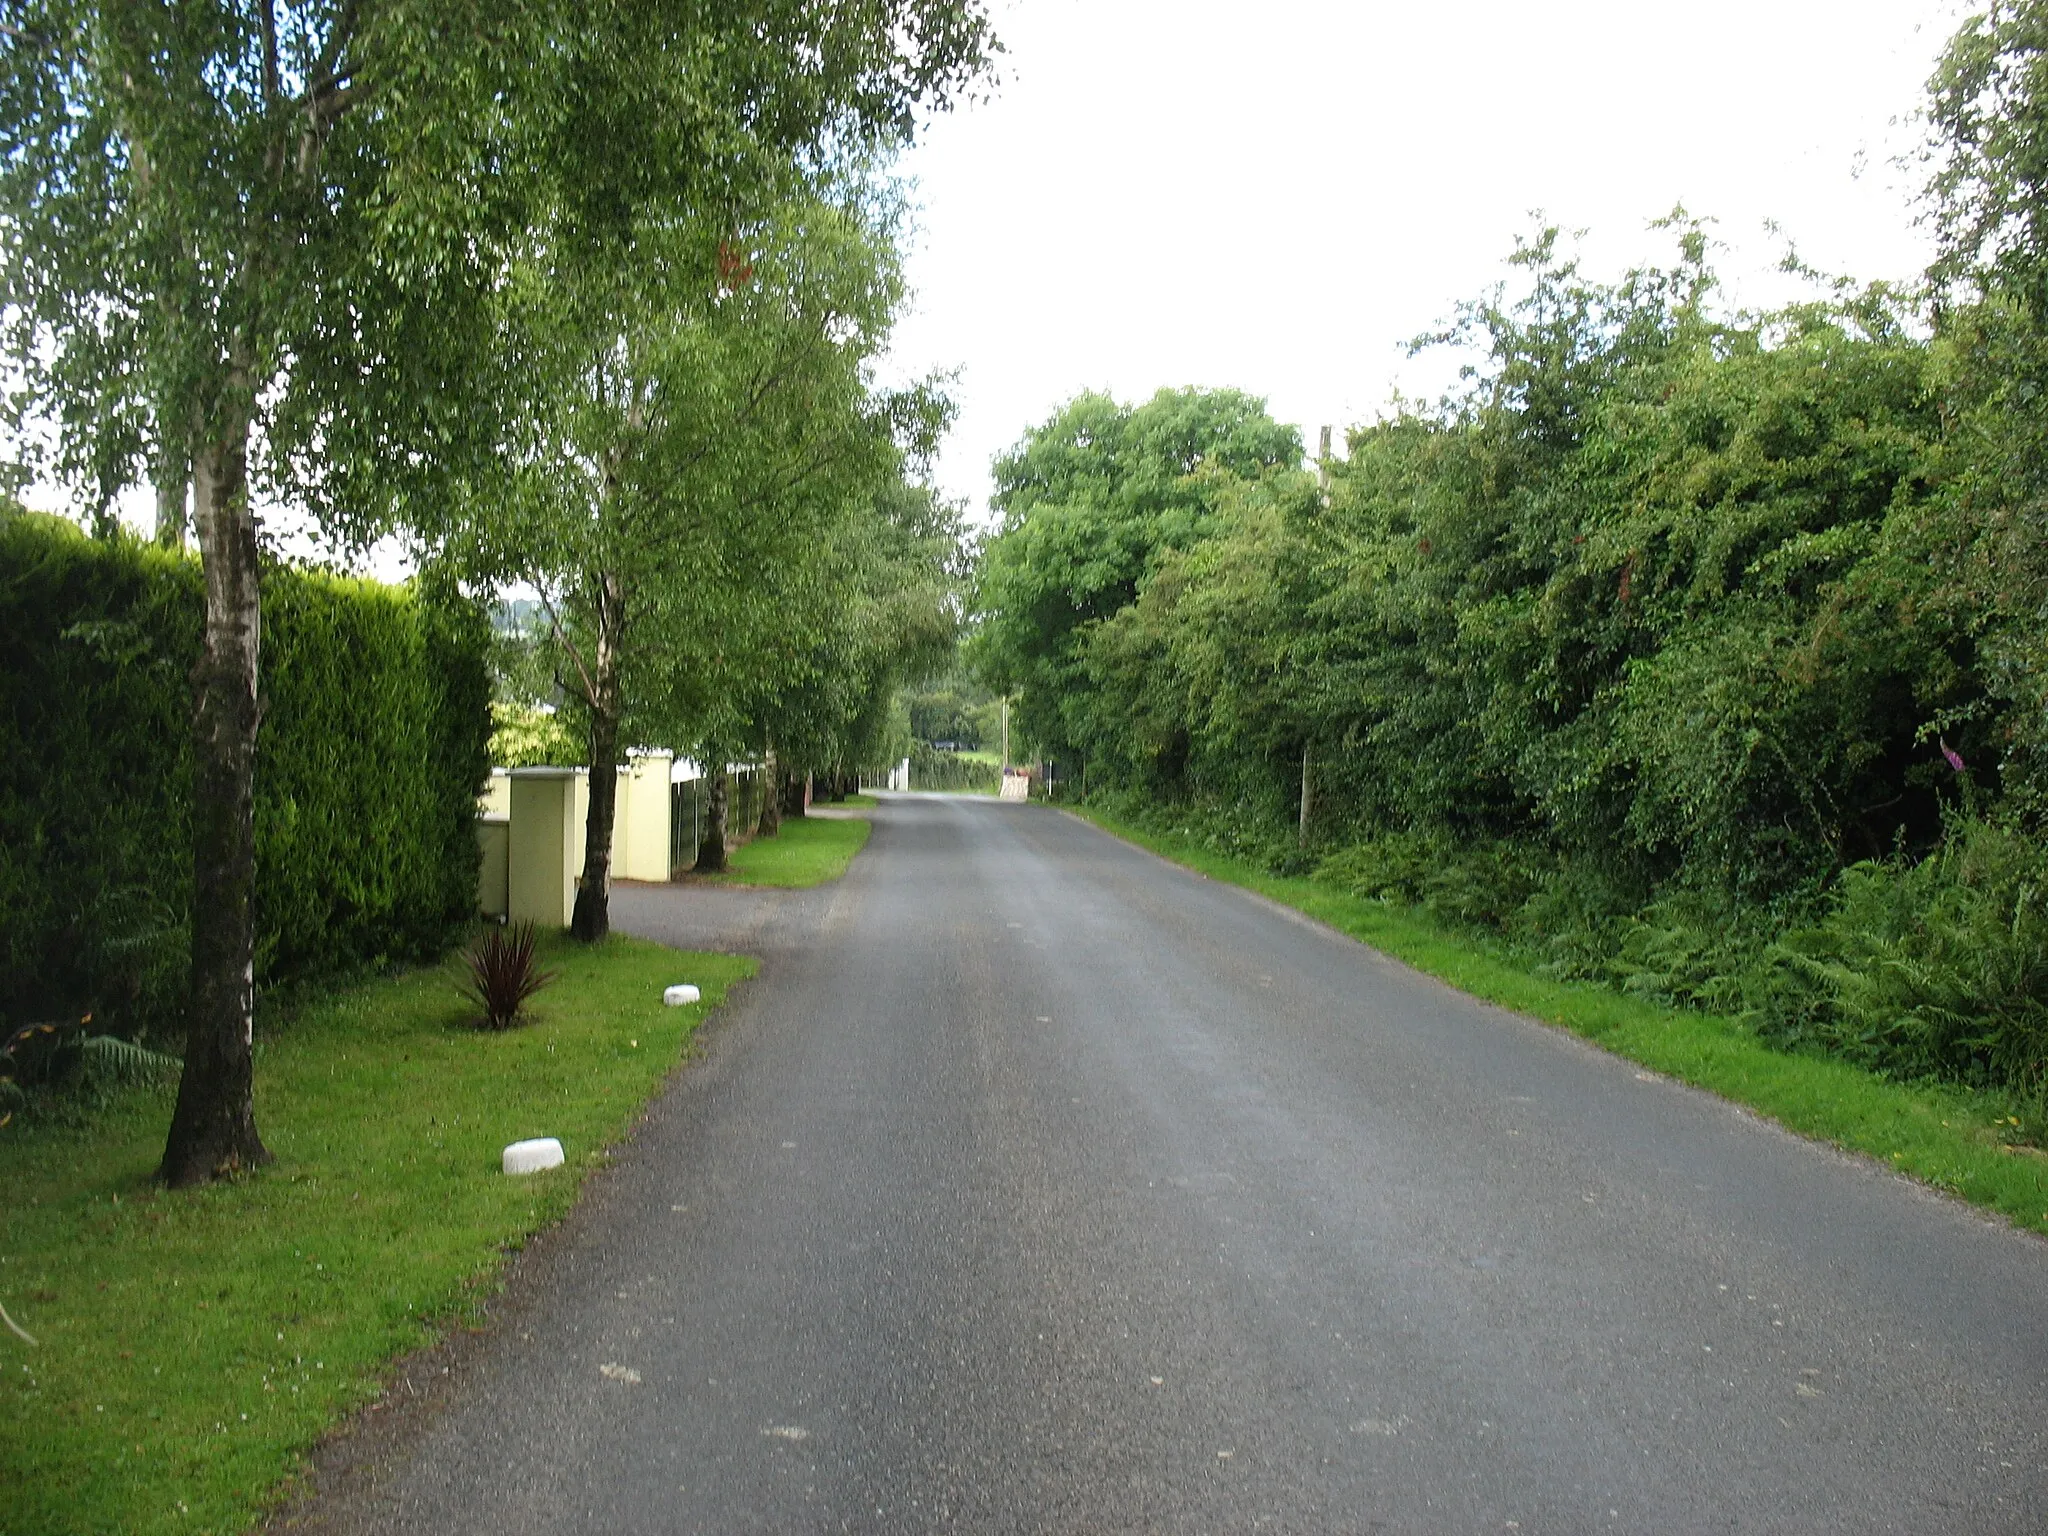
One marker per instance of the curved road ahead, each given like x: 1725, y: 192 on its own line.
x: 1040, y: 1186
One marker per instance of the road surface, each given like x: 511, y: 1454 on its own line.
x: 1037, y: 1185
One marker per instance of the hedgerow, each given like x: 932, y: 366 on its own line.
x: 372, y: 752
x: 1676, y: 651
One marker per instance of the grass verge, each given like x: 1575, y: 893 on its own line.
x: 1950, y: 1138
x: 809, y: 850
x: 192, y: 1347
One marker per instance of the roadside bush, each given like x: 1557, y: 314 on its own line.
x: 525, y: 736
x: 1475, y: 885
x: 1237, y: 831
x: 933, y: 769
x: 371, y: 755
x: 1929, y: 968
x: 1392, y: 867
x: 1932, y: 967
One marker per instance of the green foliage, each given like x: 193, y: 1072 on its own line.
x: 1935, y: 967
x: 954, y: 708
x: 523, y: 736
x: 750, y: 570
x: 308, y: 209
x: 1091, y: 502
x: 1989, y: 199
x: 63, y: 1063
x: 952, y: 771
x: 372, y: 757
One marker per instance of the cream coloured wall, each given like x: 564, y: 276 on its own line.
x: 540, y: 832
x: 546, y: 836
x: 640, y: 837
x: 494, y: 834
x: 496, y: 800
x: 581, y: 812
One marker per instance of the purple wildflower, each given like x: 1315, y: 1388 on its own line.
x: 1955, y: 758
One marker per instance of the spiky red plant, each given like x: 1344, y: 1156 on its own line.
x: 503, y: 974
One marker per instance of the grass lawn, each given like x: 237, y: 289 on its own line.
x: 192, y: 1346
x: 1955, y: 1140
x: 809, y: 850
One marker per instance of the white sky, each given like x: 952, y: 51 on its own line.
x: 1276, y: 196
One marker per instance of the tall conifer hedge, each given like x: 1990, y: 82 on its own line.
x: 374, y: 746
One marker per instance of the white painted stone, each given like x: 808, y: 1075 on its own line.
x: 532, y: 1156
x: 677, y: 996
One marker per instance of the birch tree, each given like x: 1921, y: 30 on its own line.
x: 693, y: 420
x: 273, y: 227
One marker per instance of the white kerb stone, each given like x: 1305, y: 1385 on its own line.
x: 677, y: 996
x: 532, y: 1156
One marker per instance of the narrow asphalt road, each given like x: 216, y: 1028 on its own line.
x: 1039, y: 1186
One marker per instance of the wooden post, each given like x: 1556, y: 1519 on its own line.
x: 1308, y: 795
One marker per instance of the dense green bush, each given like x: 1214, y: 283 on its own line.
x: 372, y: 752
x: 1933, y: 967
x: 933, y: 769
x: 525, y: 736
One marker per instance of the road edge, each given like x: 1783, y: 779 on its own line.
x: 1903, y: 1128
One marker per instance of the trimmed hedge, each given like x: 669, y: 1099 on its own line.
x: 372, y: 751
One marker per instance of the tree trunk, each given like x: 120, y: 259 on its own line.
x: 592, y: 919
x: 711, y: 848
x: 173, y: 509
x: 795, y: 793
x: 213, y: 1129
x: 771, y: 796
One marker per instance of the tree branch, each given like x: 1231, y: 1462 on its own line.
x: 273, y: 85
x: 324, y: 108
x: 324, y: 70
x: 327, y: 103
x: 769, y: 380
x: 568, y: 646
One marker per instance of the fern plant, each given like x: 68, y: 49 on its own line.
x: 504, y: 974
x: 62, y: 1056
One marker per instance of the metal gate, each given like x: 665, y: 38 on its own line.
x: 685, y: 824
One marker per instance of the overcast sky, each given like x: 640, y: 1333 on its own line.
x: 1275, y: 196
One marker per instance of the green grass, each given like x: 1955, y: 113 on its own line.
x: 1950, y: 1138
x: 809, y: 850
x: 191, y: 1347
